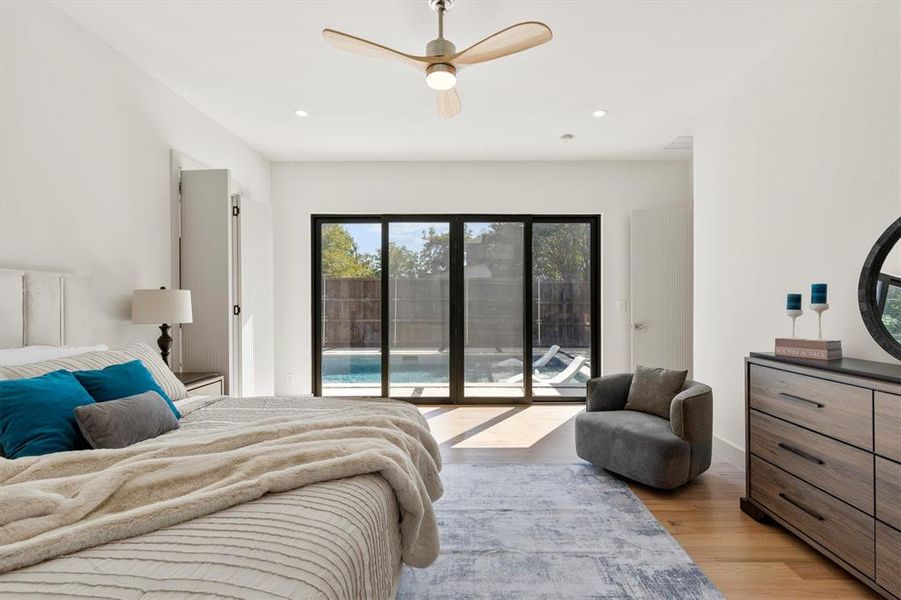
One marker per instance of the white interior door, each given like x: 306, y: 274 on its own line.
x: 237, y: 354
x: 178, y: 162
x: 253, y: 293
x: 661, y: 288
x: 207, y: 262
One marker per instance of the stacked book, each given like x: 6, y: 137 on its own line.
x: 813, y: 349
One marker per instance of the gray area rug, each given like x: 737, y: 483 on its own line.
x: 516, y: 531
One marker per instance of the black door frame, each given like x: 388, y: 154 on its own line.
x: 456, y: 282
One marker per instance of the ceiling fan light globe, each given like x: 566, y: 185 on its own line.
x: 441, y: 77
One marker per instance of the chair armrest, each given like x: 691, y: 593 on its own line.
x: 607, y: 393
x: 691, y: 414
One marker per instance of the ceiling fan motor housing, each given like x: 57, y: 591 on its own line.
x: 440, y: 47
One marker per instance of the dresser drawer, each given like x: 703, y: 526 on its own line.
x: 844, y: 530
x: 888, y: 425
x: 888, y: 491
x: 842, y: 470
x: 888, y: 558
x: 842, y: 411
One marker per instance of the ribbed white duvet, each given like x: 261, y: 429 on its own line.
x: 337, y: 539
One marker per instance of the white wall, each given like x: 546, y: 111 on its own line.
x: 612, y: 189
x: 796, y: 173
x: 84, y: 167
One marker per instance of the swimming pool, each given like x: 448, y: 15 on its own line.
x: 343, y: 368
x: 431, y: 368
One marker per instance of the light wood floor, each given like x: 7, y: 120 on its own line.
x: 745, y: 559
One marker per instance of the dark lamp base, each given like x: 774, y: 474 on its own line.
x: 164, y: 342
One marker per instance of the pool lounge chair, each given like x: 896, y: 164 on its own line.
x: 542, y: 361
x: 547, y: 356
x: 560, y: 378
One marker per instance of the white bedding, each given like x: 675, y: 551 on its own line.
x: 338, y: 539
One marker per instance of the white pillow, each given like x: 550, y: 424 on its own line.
x: 164, y: 376
x: 166, y: 379
x: 10, y: 357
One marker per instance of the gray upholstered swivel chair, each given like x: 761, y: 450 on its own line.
x: 657, y: 452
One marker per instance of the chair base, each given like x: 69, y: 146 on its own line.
x: 635, y: 445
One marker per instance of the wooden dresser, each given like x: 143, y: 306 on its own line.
x: 824, y: 460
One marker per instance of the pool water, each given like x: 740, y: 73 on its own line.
x: 344, y: 368
x: 427, y: 368
x: 368, y: 369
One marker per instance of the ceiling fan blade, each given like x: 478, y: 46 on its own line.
x: 511, y: 40
x: 449, y: 103
x: 350, y: 43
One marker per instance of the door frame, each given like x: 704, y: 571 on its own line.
x: 456, y: 222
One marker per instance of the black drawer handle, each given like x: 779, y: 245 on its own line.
x: 815, y: 515
x: 800, y: 399
x: 800, y: 453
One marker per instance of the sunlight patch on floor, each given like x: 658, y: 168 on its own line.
x: 523, y: 429
x: 427, y: 411
x: 461, y: 419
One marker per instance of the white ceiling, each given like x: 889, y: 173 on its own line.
x: 248, y: 65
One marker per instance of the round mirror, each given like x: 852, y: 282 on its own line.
x: 879, y: 291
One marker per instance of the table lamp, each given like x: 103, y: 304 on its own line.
x: 162, y: 306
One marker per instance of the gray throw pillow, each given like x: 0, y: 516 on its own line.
x: 126, y: 421
x: 652, y: 390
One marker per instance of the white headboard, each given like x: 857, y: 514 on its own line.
x: 43, y: 308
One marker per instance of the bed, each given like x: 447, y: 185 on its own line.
x: 334, y: 538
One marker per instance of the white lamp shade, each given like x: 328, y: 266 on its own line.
x: 161, y: 306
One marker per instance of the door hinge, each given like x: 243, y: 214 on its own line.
x: 236, y: 210
x: 236, y: 310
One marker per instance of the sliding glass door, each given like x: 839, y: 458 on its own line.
x: 419, y: 309
x: 350, y: 307
x: 493, y: 309
x: 464, y: 308
x: 561, y: 308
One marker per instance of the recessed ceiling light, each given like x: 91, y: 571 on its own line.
x: 599, y: 113
x: 301, y: 113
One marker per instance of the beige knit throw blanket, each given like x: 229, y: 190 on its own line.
x: 60, y: 503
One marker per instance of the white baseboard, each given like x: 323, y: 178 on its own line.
x: 726, y: 451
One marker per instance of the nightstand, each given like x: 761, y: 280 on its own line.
x: 202, y: 384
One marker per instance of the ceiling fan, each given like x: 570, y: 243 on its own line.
x: 442, y: 61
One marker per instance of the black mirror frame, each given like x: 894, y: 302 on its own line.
x: 866, y: 289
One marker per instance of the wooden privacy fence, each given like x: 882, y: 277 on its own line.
x: 418, y: 313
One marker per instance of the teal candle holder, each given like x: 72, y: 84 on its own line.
x: 818, y: 304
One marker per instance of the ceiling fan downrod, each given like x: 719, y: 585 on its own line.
x: 440, y: 46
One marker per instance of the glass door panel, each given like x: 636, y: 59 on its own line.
x: 561, y: 308
x: 493, y: 309
x: 350, y: 308
x: 455, y: 308
x: 419, y: 310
